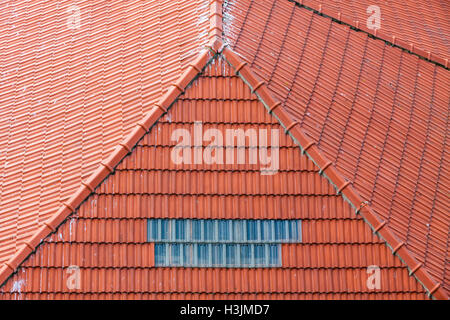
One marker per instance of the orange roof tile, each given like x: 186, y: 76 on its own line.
x: 378, y: 112
x: 69, y: 96
x: 421, y: 27
x: 110, y: 215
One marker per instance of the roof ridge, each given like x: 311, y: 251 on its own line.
x: 107, y: 166
x: 393, y: 41
x: 326, y: 169
x: 216, y: 20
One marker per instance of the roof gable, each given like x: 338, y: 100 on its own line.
x: 107, y: 239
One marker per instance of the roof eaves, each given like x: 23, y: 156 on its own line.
x: 327, y: 170
x: 393, y: 40
x: 107, y: 166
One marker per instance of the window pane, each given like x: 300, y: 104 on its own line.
x: 202, y: 257
x: 280, y: 230
x: 164, y: 229
x: 274, y: 256
x: 231, y: 254
x: 196, y: 230
x: 259, y: 254
x: 175, y: 254
x: 218, y: 255
x: 160, y: 254
x: 234, y: 231
x: 251, y: 230
x: 180, y: 229
x: 208, y: 229
x: 239, y: 231
x: 152, y: 230
x: 224, y: 230
x: 188, y: 254
x: 245, y: 255
x: 221, y: 243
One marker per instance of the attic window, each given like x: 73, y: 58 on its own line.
x: 221, y: 243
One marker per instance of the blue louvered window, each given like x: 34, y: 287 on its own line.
x: 221, y: 243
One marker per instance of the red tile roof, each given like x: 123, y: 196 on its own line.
x: 69, y: 96
x: 164, y: 196
x: 378, y: 112
x: 421, y: 27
